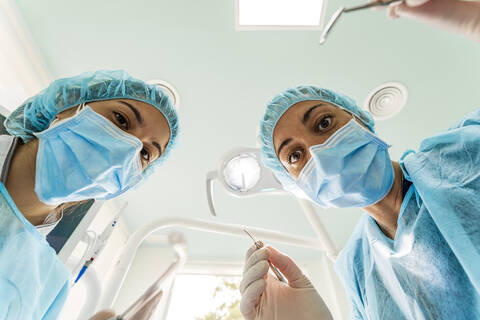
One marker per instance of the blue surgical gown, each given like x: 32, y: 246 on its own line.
x: 431, y: 270
x: 34, y: 283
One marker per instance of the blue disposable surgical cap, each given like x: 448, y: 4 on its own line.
x: 281, y: 103
x: 36, y: 114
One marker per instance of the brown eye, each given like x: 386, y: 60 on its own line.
x: 121, y: 120
x: 145, y: 155
x: 324, y: 123
x: 295, y: 156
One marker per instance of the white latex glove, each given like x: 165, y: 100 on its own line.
x: 457, y: 16
x: 266, y: 298
x: 103, y: 315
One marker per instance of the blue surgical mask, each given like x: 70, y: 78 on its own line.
x: 351, y: 169
x: 85, y: 156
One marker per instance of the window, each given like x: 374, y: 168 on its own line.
x: 205, y: 297
x: 11, y: 98
x: 279, y: 14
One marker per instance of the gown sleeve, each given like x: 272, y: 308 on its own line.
x: 446, y: 174
x: 349, y: 268
x: 55, y: 308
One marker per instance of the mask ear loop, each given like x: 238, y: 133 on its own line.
x: 352, y: 114
x: 359, y: 121
x: 354, y: 117
x: 80, y: 108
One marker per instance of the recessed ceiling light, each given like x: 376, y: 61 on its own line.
x: 386, y: 100
x: 171, y: 91
x: 279, y: 14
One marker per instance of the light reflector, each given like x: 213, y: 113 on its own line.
x: 242, y: 172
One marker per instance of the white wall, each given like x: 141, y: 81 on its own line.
x: 23, y: 71
x: 149, y: 264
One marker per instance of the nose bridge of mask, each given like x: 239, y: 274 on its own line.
x: 340, y: 138
x: 339, y: 172
x: 307, y: 170
x: 107, y: 126
x: 111, y: 128
x: 336, y: 137
x: 117, y: 133
x: 350, y: 134
x: 104, y: 159
x: 331, y: 141
x: 56, y: 121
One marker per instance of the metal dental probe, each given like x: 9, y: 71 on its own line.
x: 279, y: 275
x: 333, y: 20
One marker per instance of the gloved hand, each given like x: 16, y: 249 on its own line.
x: 266, y: 298
x: 103, y: 315
x: 461, y: 17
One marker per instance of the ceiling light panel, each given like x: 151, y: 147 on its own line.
x: 279, y: 14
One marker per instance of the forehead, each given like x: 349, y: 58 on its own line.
x: 153, y: 116
x: 292, y: 118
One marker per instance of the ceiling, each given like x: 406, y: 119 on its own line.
x: 225, y: 77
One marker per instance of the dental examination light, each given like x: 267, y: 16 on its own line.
x: 338, y: 13
x: 242, y: 174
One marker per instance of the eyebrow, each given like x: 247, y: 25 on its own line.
x: 284, y: 143
x: 135, y: 111
x: 156, y: 145
x: 306, y: 116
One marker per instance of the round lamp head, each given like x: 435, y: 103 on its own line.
x: 242, y: 172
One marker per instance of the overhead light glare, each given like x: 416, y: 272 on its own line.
x: 279, y: 14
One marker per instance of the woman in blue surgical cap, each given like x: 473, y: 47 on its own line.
x: 93, y: 136
x: 415, y: 253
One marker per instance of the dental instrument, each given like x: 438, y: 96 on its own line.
x: 100, y: 244
x: 157, y: 288
x: 124, y: 261
x: 279, y: 275
x: 338, y: 13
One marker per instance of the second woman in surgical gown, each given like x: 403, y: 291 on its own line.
x: 415, y: 253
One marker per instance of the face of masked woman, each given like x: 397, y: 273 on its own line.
x: 302, y: 126
x: 137, y: 118
x: 98, y: 150
x: 334, y: 159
